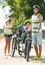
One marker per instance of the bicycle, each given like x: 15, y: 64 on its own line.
x: 28, y: 42
x: 16, y: 45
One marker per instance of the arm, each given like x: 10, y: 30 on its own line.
x: 31, y: 28
x: 6, y: 25
x: 24, y: 28
x: 40, y: 21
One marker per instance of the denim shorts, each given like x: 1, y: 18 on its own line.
x: 37, y: 38
x: 6, y: 35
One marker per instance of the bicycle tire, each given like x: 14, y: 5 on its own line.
x: 13, y: 48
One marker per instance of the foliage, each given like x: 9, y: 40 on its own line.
x: 1, y: 30
x: 22, y: 9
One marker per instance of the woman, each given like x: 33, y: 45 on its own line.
x: 8, y: 34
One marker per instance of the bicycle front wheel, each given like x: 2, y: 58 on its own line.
x: 13, y: 47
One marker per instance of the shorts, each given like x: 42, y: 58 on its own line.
x: 37, y: 38
x: 6, y: 35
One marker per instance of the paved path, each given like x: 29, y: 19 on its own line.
x: 18, y: 60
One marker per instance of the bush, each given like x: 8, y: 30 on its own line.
x: 1, y: 30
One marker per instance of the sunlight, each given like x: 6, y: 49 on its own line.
x: 3, y: 12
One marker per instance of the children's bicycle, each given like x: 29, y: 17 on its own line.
x: 16, y: 45
x: 28, y: 43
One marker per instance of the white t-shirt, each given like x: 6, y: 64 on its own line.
x: 7, y: 27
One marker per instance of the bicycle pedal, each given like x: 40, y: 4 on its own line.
x: 31, y: 46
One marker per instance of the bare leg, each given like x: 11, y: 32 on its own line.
x: 9, y: 41
x: 40, y: 50
x: 36, y: 50
x: 5, y: 48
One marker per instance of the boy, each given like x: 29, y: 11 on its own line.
x: 37, y: 31
x: 26, y: 28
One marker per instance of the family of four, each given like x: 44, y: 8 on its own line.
x: 36, y: 24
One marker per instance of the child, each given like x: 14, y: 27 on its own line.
x: 26, y: 28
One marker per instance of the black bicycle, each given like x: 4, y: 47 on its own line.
x: 28, y: 42
x: 16, y: 45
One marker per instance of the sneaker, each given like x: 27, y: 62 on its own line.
x: 5, y: 55
x: 35, y: 57
x: 9, y: 55
x: 39, y: 58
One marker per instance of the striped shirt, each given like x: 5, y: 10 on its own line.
x: 35, y: 23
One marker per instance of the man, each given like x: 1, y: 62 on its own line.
x: 37, y: 19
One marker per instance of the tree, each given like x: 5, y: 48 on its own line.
x: 22, y: 9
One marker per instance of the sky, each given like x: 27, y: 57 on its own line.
x: 1, y: 17
x: 3, y: 12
